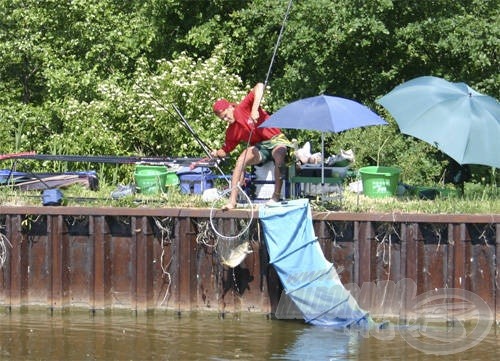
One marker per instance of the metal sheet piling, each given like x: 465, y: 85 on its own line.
x: 103, y: 259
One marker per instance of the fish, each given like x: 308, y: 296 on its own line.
x: 237, y: 255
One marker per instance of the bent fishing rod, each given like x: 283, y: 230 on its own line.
x: 238, y: 185
x: 268, y: 74
x: 278, y: 41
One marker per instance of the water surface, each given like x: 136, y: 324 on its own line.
x: 196, y: 336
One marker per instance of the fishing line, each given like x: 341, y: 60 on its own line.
x: 280, y: 35
x: 3, y: 248
x: 275, y: 51
x: 240, y: 190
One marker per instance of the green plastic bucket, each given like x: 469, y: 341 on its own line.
x: 150, y: 179
x: 172, y: 179
x: 379, y: 182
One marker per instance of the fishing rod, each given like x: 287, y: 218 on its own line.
x: 238, y: 185
x: 275, y: 51
x: 184, y: 122
x: 15, y: 155
x: 96, y: 199
x: 210, y: 160
x: 171, y: 161
x: 278, y: 41
x: 202, y: 144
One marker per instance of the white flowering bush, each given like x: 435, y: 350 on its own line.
x: 146, y: 114
x: 131, y: 117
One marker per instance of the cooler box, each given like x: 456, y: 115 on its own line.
x: 263, y: 181
x: 195, y: 181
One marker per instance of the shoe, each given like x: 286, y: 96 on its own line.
x: 275, y: 199
x: 271, y: 202
x: 274, y: 203
x: 123, y: 191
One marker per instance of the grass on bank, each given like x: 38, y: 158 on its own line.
x: 477, y: 199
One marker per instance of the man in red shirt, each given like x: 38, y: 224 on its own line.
x: 264, y: 144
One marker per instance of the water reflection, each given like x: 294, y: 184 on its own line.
x: 125, y: 336
x: 321, y: 343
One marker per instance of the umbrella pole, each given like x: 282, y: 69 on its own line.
x: 322, y: 160
x: 322, y: 166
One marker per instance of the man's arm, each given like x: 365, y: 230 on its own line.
x: 258, y: 92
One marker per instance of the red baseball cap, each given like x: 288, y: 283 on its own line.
x: 221, y: 105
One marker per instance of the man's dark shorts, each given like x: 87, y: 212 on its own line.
x: 266, y: 147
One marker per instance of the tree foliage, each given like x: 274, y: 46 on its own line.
x: 102, y: 77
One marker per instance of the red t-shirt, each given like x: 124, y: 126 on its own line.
x: 239, y: 131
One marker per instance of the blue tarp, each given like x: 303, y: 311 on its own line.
x: 308, y: 278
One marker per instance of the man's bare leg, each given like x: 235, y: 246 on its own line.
x: 279, y: 155
x: 248, y: 157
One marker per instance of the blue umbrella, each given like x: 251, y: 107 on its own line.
x: 455, y: 118
x: 324, y: 113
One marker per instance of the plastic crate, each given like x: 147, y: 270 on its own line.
x: 195, y: 181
